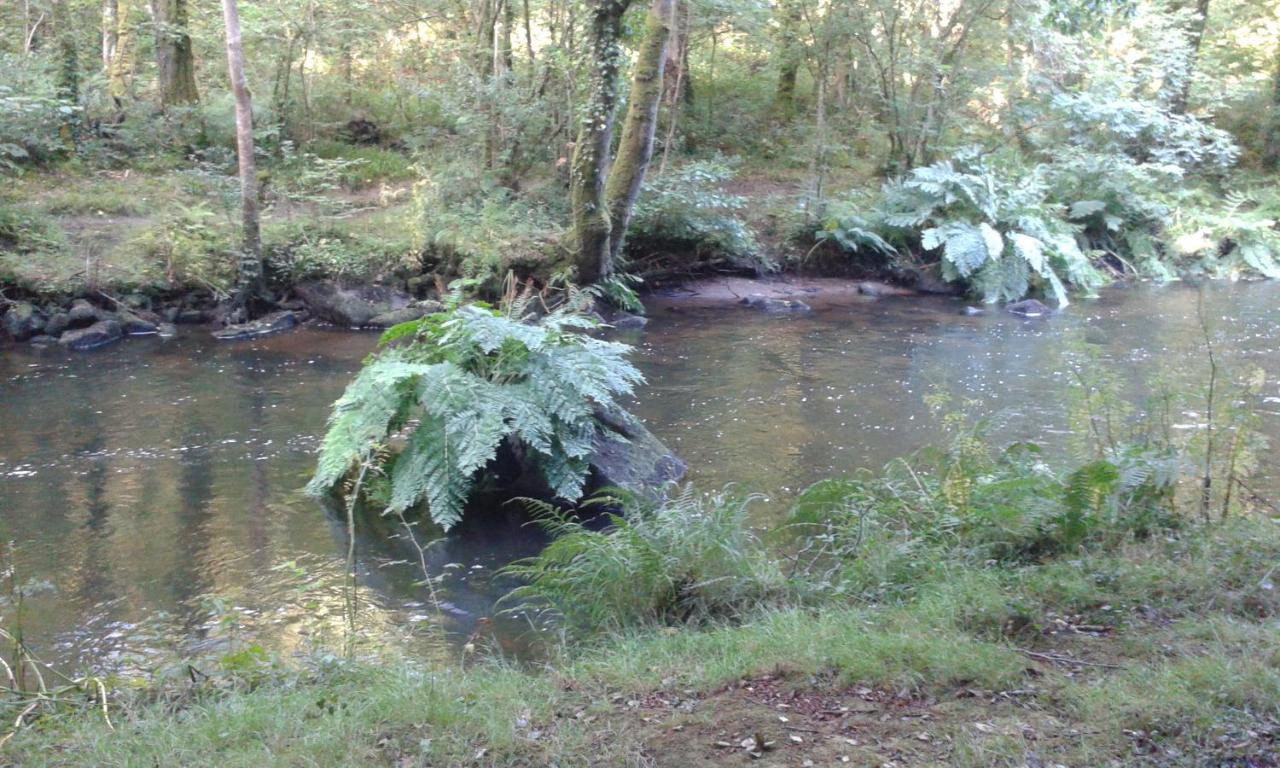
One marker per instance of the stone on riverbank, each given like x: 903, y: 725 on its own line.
x: 134, y: 325
x: 99, y: 334
x: 414, y: 311
x: 351, y: 307
x: 629, y: 456
x: 267, y: 325
x: 22, y: 321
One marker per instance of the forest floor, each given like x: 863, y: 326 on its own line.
x: 1159, y: 653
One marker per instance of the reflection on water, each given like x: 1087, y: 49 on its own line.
x: 154, y: 485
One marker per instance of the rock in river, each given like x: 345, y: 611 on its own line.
x: 22, y: 321
x: 638, y: 462
x: 256, y: 329
x: 351, y: 307
x: 1028, y: 308
x: 776, y: 306
x: 99, y: 334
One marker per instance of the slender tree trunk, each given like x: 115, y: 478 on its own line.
x: 1195, y: 36
x: 635, y: 147
x: 68, y: 73
x: 1271, y: 147
x: 109, y: 23
x: 249, y: 276
x: 120, y: 77
x: 590, y: 166
x: 175, y: 58
x: 790, y: 56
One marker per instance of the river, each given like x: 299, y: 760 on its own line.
x: 150, y: 491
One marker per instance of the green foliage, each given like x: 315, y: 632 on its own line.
x: 32, y: 114
x: 687, y: 560
x: 471, y: 226
x: 446, y: 392
x: 365, y: 165
x: 688, y: 209
x: 27, y: 232
x: 299, y: 250
x: 190, y: 245
x: 995, y: 230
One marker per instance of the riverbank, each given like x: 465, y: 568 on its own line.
x: 1162, y: 652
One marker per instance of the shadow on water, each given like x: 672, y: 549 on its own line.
x: 155, y: 484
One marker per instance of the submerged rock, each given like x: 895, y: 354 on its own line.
x: 351, y: 307
x: 873, y: 288
x: 776, y: 306
x: 627, y: 321
x: 929, y: 280
x: 628, y: 456
x: 22, y: 321
x: 99, y: 334
x: 276, y: 322
x: 1028, y: 308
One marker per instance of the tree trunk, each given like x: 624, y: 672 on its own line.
x: 120, y: 76
x: 590, y: 166
x: 1271, y: 147
x: 1195, y: 36
x: 109, y: 24
x: 635, y: 148
x: 790, y: 56
x: 249, y: 275
x: 68, y: 88
x: 175, y: 59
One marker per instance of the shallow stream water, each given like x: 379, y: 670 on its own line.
x: 151, y: 490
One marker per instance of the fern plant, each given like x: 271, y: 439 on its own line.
x: 995, y: 232
x: 443, y: 393
x: 688, y: 559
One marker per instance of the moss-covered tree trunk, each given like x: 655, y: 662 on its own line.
x: 1271, y: 146
x: 175, y: 58
x: 635, y: 147
x: 120, y: 74
x: 790, y: 57
x: 249, y: 274
x: 590, y: 166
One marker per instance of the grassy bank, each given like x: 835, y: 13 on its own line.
x: 1160, y: 652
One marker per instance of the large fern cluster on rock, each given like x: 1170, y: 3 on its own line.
x: 443, y: 393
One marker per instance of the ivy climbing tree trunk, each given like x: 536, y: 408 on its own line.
x: 790, y: 56
x: 120, y: 73
x: 249, y: 272
x: 175, y: 59
x: 635, y: 147
x: 590, y: 166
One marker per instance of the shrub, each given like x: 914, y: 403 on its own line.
x: 687, y: 560
x: 31, y: 113
x: 461, y: 384
x: 478, y: 229
x: 191, y: 246
x: 994, y: 230
x: 687, y: 209
x: 303, y: 250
